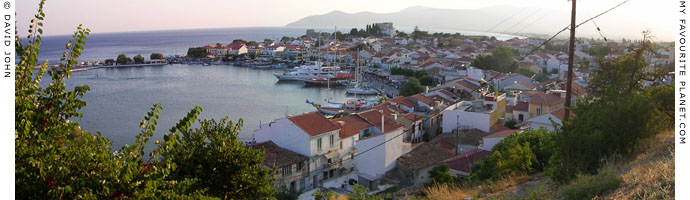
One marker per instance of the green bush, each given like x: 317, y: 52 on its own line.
x: 619, y: 113
x: 589, y: 186
x: 520, y: 153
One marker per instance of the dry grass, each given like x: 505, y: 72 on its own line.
x: 651, y: 174
x: 648, y: 174
x: 446, y: 192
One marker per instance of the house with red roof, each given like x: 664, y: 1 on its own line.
x: 290, y: 166
x: 461, y: 165
x: 489, y: 141
x: 521, y: 111
x: 379, y: 159
x: 309, y: 134
x: 412, y: 126
x: 550, y: 121
x: 404, y: 103
x: 414, y: 166
x: 541, y: 103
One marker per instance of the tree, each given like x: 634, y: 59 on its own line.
x: 138, y: 59
x: 412, y: 87
x: 526, y: 71
x: 519, y: 153
x: 239, y: 40
x: 197, y: 52
x: 617, y: 92
x: 109, y: 61
x: 54, y: 159
x: 501, y: 59
x: 122, y: 59
x: 156, y: 56
x: 440, y: 175
x: 222, y: 164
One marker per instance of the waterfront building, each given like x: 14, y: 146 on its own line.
x: 292, y: 169
x: 311, y: 135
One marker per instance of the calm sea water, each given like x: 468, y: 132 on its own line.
x: 101, y: 46
x: 120, y: 97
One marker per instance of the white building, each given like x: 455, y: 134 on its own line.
x: 479, y: 114
x: 309, y: 134
x: 549, y: 121
x: 387, y: 28
x: 489, y: 141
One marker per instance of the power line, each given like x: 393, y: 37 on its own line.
x: 566, y: 28
x: 520, y: 22
x: 534, y: 22
x: 599, y: 30
x: 506, y: 19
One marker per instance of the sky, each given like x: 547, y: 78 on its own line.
x: 101, y: 16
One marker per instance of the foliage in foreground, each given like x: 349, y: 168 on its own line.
x: 620, y: 113
x: 54, y: 159
x: 518, y: 154
x: 589, y: 186
x: 358, y: 193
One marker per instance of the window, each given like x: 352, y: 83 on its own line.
x: 300, y: 165
x: 538, y: 111
x: 287, y: 170
x: 419, y: 127
x: 414, y: 128
x: 521, y: 117
x: 318, y: 144
x: 341, y: 144
x: 332, y: 141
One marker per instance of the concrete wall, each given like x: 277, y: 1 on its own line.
x: 284, y: 134
x: 489, y: 143
x: 476, y: 120
x: 377, y: 161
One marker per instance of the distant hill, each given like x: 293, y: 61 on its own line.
x: 435, y: 18
x: 515, y: 19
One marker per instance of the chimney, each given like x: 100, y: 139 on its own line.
x: 383, y: 125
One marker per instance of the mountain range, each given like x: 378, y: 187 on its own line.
x: 496, y: 19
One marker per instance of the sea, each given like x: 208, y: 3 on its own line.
x: 119, y: 98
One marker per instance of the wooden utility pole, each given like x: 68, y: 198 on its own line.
x: 571, y: 52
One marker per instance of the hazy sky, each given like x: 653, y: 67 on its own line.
x: 100, y: 16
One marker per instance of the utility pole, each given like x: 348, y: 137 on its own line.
x: 457, y: 134
x: 571, y: 52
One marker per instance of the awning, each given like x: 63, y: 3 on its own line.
x: 331, y: 154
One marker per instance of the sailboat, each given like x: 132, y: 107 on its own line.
x: 356, y: 88
x: 335, y: 78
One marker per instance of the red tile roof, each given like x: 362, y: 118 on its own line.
x: 351, y: 125
x: 560, y: 113
x: 500, y: 134
x: 545, y: 99
x: 521, y: 106
x: 276, y: 157
x: 443, y: 143
x: 404, y: 101
x: 374, y: 117
x: 423, y: 99
x: 498, y: 127
x: 467, y: 84
x: 414, y: 117
x: 464, y: 162
x: 527, y: 85
x: 423, y: 156
x: 313, y: 123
